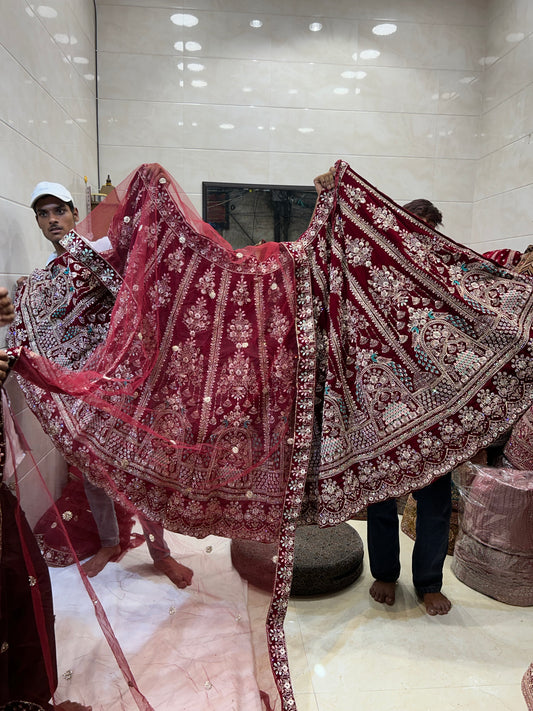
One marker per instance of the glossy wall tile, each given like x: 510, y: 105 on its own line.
x: 370, y: 82
x: 47, y: 132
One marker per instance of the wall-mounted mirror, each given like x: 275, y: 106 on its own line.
x: 249, y: 214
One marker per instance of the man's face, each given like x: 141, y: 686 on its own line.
x: 55, y: 218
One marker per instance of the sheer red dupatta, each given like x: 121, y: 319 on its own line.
x: 192, y: 389
x: 190, y: 375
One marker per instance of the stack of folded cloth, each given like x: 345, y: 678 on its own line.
x: 494, y: 548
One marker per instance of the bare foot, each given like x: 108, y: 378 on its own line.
x: 99, y: 561
x: 180, y: 575
x: 72, y: 706
x: 436, y: 603
x: 383, y: 592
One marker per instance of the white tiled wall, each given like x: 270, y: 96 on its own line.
x: 223, y: 101
x: 47, y: 132
x: 503, y: 200
x: 444, y: 111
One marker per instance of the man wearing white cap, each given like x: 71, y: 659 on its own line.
x: 56, y: 216
x: 55, y: 212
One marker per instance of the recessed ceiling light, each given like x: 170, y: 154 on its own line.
x: 195, y: 67
x: 386, y: 28
x: 340, y: 90
x: 306, y: 129
x: 198, y: 83
x: 184, y: 20
x: 256, y: 23
x: 226, y: 126
x: 193, y: 46
x: 46, y: 11
x: 369, y: 54
x: 515, y: 37
x: 348, y: 74
x: 360, y: 75
x: 315, y: 26
x: 487, y: 61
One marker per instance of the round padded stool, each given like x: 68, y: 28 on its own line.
x: 325, y: 560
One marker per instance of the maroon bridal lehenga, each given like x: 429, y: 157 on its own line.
x: 243, y: 393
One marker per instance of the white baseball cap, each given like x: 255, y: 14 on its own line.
x: 55, y: 189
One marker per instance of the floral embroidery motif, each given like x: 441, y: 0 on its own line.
x: 241, y: 294
x: 160, y: 293
x: 356, y: 195
x: 383, y: 218
x: 237, y: 379
x: 358, y: 252
x: 240, y: 330
x: 278, y: 324
x: 197, y: 317
x: 390, y: 288
x: 176, y: 260
x: 206, y: 283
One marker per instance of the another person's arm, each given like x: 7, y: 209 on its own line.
x: 4, y: 365
x: 324, y: 181
x: 7, y: 312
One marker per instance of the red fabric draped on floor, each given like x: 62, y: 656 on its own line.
x: 242, y: 392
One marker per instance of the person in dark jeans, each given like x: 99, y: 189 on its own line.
x: 433, y: 512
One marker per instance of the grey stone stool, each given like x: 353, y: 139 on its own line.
x: 325, y: 560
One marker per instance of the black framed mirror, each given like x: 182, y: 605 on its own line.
x: 246, y: 214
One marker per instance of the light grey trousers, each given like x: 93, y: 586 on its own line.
x: 103, y: 511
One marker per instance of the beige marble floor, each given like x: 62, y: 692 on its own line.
x: 348, y: 652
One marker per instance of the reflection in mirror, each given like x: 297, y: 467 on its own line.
x: 249, y: 214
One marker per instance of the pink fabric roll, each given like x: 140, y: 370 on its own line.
x: 504, y: 576
x: 498, y: 510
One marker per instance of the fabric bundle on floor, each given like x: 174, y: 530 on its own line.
x: 494, y: 548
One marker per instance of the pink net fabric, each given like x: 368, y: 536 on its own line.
x: 240, y: 393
